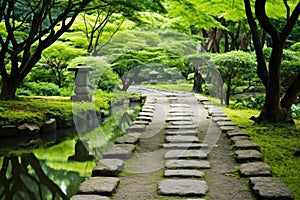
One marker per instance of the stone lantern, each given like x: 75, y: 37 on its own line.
x: 153, y: 77
x: 82, y: 88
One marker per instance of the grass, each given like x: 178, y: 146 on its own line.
x: 185, y: 87
x: 278, y: 144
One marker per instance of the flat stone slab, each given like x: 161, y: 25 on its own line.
x: 237, y: 138
x: 119, y: 151
x: 99, y: 185
x: 184, y: 154
x: 225, y: 129
x: 173, y: 119
x: 270, y: 188
x: 225, y: 123
x: 147, y: 114
x: 89, y: 197
x: 141, y: 122
x: 181, y: 114
x: 220, y: 119
x: 149, y: 107
x: 255, y: 169
x: 187, y: 164
x: 108, y: 167
x: 129, y: 138
x: 174, y: 105
x: 144, y: 118
x: 182, y: 132
x: 181, y: 123
x: 185, y: 146
x: 182, y: 187
x: 136, y: 128
x: 219, y: 115
x: 182, y: 139
x: 248, y: 155
x: 246, y: 144
x: 183, y: 173
x: 237, y: 133
x: 182, y: 127
x: 147, y: 110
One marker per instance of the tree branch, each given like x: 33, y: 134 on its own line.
x: 290, y: 22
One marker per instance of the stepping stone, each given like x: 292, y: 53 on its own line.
x: 129, y: 138
x: 187, y: 164
x: 136, y: 128
x: 246, y: 144
x: 182, y: 139
x: 185, y: 154
x: 108, y: 167
x: 182, y: 132
x: 148, y: 107
x: 225, y: 129
x: 99, y: 185
x: 237, y: 138
x: 237, y: 133
x: 201, y: 97
x: 138, y: 122
x: 147, y: 110
x: 255, y: 169
x: 144, y: 118
x: 270, y: 188
x: 225, y: 123
x: 180, y: 110
x: 211, y: 112
x: 181, y: 123
x: 206, y: 102
x: 182, y: 187
x: 180, y: 105
x: 169, y: 119
x: 185, y: 146
x: 182, y: 127
x: 181, y: 114
x: 146, y: 114
x: 220, y: 119
x: 183, y: 173
x: 119, y: 151
x: 219, y: 115
x: 89, y: 197
x: 248, y: 155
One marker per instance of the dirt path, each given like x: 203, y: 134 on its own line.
x: 144, y: 171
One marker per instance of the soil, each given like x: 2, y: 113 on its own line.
x: 144, y: 171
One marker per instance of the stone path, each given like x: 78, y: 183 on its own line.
x: 178, y: 148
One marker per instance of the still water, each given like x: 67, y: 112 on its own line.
x: 50, y: 171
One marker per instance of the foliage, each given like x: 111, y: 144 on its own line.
x: 278, y: 144
x: 295, y: 47
x: 39, y: 89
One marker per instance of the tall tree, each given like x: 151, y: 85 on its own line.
x: 274, y: 110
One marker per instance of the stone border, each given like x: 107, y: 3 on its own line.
x: 247, y: 152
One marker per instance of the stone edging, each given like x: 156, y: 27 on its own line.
x: 247, y: 153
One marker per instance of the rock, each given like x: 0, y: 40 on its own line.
x: 235, y: 133
x: 181, y: 123
x: 237, y: 138
x: 89, y: 197
x: 219, y: 115
x: 139, y: 122
x: 173, y: 119
x: 146, y: 114
x: 270, y: 188
x: 49, y: 127
x: 248, y: 155
x: 136, y: 128
x: 255, y: 169
x: 225, y: 123
x: 99, y: 185
x: 129, y: 138
x: 8, y: 131
x: 183, y: 173
x: 108, y: 167
x: 174, y: 105
x: 187, y: 164
x: 220, y: 119
x: 182, y: 139
x: 28, y: 128
x: 144, y: 118
x: 182, y: 132
x: 182, y: 187
x: 225, y: 129
x: 183, y: 154
x: 119, y: 151
x: 81, y: 152
x: 185, y: 146
x: 181, y: 114
x: 246, y: 144
x: 185, y: 127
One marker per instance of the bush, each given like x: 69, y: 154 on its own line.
x: 39, y: 89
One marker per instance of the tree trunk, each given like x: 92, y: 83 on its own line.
x: 9, y: 88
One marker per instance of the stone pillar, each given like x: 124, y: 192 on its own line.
x: 82, y: 88
x: 153, y: 75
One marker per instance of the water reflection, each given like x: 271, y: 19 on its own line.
x: 25, y: 177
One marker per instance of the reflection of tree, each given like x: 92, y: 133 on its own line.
x: 24, y: 178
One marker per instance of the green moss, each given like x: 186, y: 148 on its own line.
x: 278, y: 144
